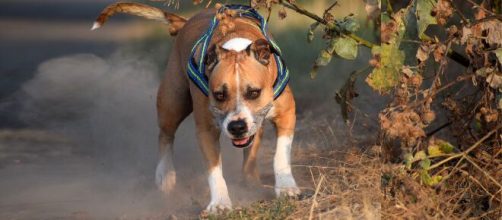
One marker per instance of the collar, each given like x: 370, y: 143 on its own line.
x: 196, y: 68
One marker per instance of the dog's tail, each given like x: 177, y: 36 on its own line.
x: 175, y: 22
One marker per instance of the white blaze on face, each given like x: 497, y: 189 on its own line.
x: 238, y: 44
x: 241, y: 111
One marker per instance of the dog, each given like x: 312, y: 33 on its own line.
x: 242, y: 70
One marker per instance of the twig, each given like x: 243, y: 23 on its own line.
x: 273, y: 187
x: 476, y: 181
x: 314, y: 202
x: 303, y: 11
x: 313, y: 16
x: 452, y: 170
x: 479, y: 6
x: 462, y: 16
x: 488, y: 18
x: 439, y: 128
x: 313, y: 166
x: 330, y: 7
x: 419, y: 102
x: 483, y: 171
x: 465, y: 153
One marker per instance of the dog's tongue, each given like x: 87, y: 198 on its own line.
x: 241, y: 141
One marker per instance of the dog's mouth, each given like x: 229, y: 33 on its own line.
x: 243, y: 142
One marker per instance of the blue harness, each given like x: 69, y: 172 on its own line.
x: 196, y: 69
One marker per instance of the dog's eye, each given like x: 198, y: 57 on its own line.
x: 253, y: 94
x: 219, y: 96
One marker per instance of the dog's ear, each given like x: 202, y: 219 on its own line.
x: 261, y: 50
x: 212, y: 56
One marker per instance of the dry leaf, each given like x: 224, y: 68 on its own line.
x: 282, y: 13
x: 495, y: 80
x: 443, y: 11
x: 423, y: 52
x: 439, y: 52
x: 407, y: 71
x: 387, y: 31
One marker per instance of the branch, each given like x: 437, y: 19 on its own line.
x: 476, y: 5
x: 465, y: 153
x: 302, y: 11
x: 313, y: 16
x: 331, y: 7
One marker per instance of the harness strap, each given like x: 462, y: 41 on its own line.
x: 196, y: 69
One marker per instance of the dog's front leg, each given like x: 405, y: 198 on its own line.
x: 209, y: 143
x: 285, y: 183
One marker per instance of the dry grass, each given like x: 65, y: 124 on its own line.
x: 359, y: 185
x: 345, y: 188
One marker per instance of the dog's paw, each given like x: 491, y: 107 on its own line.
x: 293, y: 191
x: 165, y: 178
x: 166, y: 182
x: 220, y: 206
x: 286, y: 186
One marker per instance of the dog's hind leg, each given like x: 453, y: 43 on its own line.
x: 174, y: 104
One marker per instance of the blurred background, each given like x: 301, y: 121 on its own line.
x: 78, y: 130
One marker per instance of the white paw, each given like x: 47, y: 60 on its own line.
x: 287, y: 191
x: 286, y: 186
x: 165, y: 177
x: 219, y: 206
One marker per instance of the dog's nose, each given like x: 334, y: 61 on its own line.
x: 237, y: 128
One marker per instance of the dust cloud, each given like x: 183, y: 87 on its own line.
x: 101, y: 165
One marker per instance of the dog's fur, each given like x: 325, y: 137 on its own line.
x: 241, y: 74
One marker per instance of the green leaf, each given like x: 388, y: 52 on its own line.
x: 323, y: 59
x: 345, y: 47
x: 424, y: 17
x: 436, y: 179
x: 428, y: 180
x: 425, y: 163
x: 310, y: 33
x: 385, y: 17
x: 408, y: 160
x: 434, y: 150
x: 349, y: 24
x: 313, y: 71
x: 425, y: 177
x: 385, y: 77
x: 446, y: 147
x: 440, y: 147
x: 420, y: 155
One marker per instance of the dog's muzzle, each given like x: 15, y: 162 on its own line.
x: 242, y: 135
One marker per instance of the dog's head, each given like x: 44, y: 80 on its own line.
x: 240, y: 83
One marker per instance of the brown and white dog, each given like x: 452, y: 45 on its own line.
x: 241, y: 73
